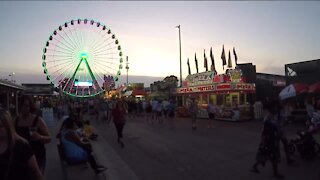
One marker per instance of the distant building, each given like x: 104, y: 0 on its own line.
x: 39, y: 89
x: 267, y: 85
x: 9, y: 93
x: 303, y: 72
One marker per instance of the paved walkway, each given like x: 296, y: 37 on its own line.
x: 105, y: 155
x: 156, y: 152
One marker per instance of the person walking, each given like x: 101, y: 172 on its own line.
x: 193, y: 111
x: 149, y: 113
x: 211, y: 112
x: 154, y: 104
x: 280, y: 121
x: 269, y: 149
x: 119, y: 119
x: 17, y: 160
x: 33, y: 128
x: 165, y: 105
x: 171, y: 113
x: 159, y: 109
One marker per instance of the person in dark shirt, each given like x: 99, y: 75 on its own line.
x: 119, y: 119
x: 33, y: 128
x: 17, y: 161
x: 269, y: 149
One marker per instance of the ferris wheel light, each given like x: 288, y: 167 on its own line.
x: 83, y: 55
x: 85, y: 61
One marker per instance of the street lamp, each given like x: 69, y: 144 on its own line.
x: 180, y: 56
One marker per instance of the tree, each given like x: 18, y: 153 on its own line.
x: 170, y: 83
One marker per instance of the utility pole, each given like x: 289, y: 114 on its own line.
x: 127, y: 67
x: 180, y: 56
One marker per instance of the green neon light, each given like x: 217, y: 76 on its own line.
x: 84, y: 55
x: 94, y: 81
x: 85, y: 96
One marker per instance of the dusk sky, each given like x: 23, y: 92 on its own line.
x: 268, y: 34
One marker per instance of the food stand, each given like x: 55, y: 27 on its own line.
x: 229, y: 92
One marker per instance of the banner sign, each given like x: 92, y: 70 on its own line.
x: 217, y: 88
x: 196, y: 89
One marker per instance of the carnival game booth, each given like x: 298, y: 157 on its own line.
x: 229, y: 92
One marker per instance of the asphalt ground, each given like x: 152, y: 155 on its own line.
x: 159, y: 152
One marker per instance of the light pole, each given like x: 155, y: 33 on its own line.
x: 127, y: 67
x: 180, y: 56
x: 12, y: 76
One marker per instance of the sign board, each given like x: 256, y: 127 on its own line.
x: 82, y: 83
x: 203, y: 78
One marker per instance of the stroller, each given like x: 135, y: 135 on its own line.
x: 305, y: 144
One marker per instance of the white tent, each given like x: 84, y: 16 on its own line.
x: 292, y: 90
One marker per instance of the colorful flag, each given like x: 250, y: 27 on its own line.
x: 205, y: 60
x: 223, y: 57
x: 229, y: 61
x: 195, y: 59
x: 189, y: 70
x: 235, y: 56
x: 213, y: 68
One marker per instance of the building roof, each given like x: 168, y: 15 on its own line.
x: 11, y: 85
x: 305, y: 66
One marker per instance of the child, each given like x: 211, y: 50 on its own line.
x: 89, y: 131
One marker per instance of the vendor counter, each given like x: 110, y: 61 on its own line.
x: 242, y: 113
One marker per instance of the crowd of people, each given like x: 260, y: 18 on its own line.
x: 23, y: 137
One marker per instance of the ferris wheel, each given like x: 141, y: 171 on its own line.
x: 79, y: 55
